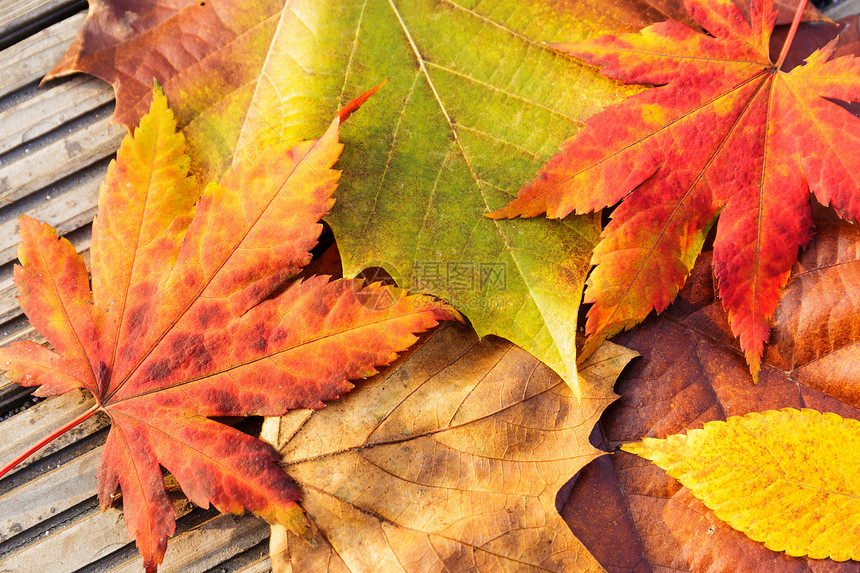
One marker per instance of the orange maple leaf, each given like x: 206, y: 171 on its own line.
x: 726, y: 133
x: 190, y: 319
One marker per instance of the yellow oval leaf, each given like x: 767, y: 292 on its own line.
x: 788, y: 478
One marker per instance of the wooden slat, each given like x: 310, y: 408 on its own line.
x: 35, y: 423
x: 96, y: 535
x: 61, y: 158
x: 30, y: 59
x: 50, y: 494
x: 261, y: 566
x: 207, y: 545
x: 9, y: 308
x: 72, y: 545
x: 66, y: 211
x: 50, y: 108
x: 19, y: 13
x: 81, y: 540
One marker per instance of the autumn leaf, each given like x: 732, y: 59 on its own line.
x: 192, y: 317
x: 450, y: 459
x: 476, y: 102
x: 726, y: 133
x: 692, y: 372
x: 786, y: 478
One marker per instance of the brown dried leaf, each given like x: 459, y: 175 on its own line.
x: 450, y: 459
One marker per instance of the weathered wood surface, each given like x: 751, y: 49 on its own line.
x: 55, y: 145
x: 27, y: 61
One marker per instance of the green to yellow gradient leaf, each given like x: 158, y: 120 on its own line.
x: 788, y: 478
x: 475, y: 103
x: 470, y: 104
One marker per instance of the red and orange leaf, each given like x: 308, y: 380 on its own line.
x: 192, y: 316
x: 726, y: 133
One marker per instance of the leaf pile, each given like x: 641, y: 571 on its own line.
x: 726, y: 133
x: 693, y: 372
x: 452, y: 457
x: 191, y: 317
x: 475, y: 103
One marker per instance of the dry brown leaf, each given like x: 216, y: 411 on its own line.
x: 450, y: 459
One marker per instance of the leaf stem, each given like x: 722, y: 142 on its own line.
x: 49, y: 438
x: 798, y: 14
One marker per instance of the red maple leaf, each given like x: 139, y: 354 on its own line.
x: 192, y: 317
x: 727, y: 133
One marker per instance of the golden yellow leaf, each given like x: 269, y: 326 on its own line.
x: 450, y: 460
x: 789, y: 478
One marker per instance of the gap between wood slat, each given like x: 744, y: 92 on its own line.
x: 50, y: 108
x: 30, y: 59
x: 207, y: 545
x: 71, y: 546
x: 65, y: 212
x: 33, y: 424
x: 49, y: 495
x: 59, y: 159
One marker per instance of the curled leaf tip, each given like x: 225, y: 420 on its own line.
x: 353, y: 105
